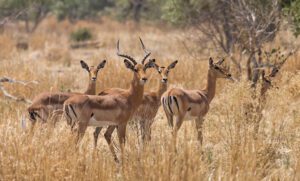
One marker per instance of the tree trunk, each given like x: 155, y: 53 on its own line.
x: 137, y: 7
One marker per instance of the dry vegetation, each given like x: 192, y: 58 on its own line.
x: 229, y: 151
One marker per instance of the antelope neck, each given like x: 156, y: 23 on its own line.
x: 161, y: 88
x: 136, y: 91
x: 210, y: 89
x: 91, y: 89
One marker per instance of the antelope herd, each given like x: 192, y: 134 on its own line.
x: 114, y: 107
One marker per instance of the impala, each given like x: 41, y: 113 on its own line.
x: 193, y: 104
x: 112, y: 110
x: 266, y: 84
x: 51, y: 103
x: 147, y: 111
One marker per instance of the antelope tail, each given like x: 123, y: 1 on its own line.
x: 33, y: 115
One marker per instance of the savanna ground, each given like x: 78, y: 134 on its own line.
x: 229, y: 151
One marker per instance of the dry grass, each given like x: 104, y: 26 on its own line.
x: 229, y: 152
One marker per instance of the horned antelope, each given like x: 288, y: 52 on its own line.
x: 112, y: 110
x: 48, y: 104
x: 146, y: 112
x: 193, y: 104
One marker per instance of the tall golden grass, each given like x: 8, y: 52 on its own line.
x: 229, y: 151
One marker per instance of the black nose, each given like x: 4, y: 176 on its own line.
x: 229, y: 75
x: 94, y: 78
x: 165, y: 80
x: 144, y: 79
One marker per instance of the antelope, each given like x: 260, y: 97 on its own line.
x: 112, y: 110
x: 266, y: 84
x: 49, y: 103
x: 147, y: 111
x: 193, y: 104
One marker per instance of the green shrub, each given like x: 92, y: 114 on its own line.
x: 81, y: 34
x: 292, y: 11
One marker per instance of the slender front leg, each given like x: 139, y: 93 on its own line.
x: 199, y: 124
x: 107, y: 136
x: 140, y: 131
x: 96, y: 135
x: 147, y: 130
x: 121, y: 134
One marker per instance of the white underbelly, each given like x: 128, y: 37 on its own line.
x: 94, y: 122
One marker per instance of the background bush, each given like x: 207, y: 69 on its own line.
x: 81, y: 34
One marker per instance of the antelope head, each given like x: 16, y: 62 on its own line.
x: 267, y: 80
x: 218, y: 70
x: 92, y: 70
x: 164, y: 71
x: 139, y: 69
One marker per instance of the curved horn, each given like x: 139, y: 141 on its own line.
x: 147, y: 54
x: 123, y: 55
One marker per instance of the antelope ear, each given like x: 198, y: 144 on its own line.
x: 157, y: 68
x: 84, y: 65
x: 128, y: 64
x: 173, y: 64
x: 101, y: 65
x: 211, y: 62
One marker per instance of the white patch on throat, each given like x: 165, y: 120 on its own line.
x: 142, y: 82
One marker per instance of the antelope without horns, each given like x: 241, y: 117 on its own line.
x: 255, y: 112
x: 48, y: 104
x: 193, y: 104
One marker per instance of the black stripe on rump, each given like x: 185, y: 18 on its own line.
x: 169, y: 104
x: 175, y: 99
x: 73, y: 111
